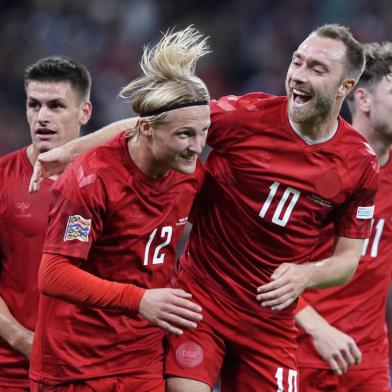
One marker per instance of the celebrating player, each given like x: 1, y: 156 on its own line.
x: 58, y: 93
x: 345, y: 325
x: 115, y: 218
x: 281, y: 169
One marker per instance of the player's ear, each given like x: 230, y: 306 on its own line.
x: 362, y: 100
x: 85, y: 112
x: 346, y: 86
x: 145, y: 128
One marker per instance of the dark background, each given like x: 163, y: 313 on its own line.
x: 252, y: 42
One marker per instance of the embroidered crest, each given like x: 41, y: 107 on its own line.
x: 77, y: 228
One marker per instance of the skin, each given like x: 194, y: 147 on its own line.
x: 317, y: 72
x: 54, y: 113
x: 174, y: 144
x: 373, y: 118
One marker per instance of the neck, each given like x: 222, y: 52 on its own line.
x: 380, y: 143
x: 140, y: 152
x: 32, y: 154
x: 317, y: 130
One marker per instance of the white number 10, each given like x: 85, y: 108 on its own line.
x: 277, y: 219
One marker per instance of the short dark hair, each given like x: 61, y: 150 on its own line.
x: 60, y: 69
x: 355, y: 57
x: 378, y: 64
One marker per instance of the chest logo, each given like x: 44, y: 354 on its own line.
x: 23, y: 208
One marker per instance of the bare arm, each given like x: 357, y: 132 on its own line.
x: 338, y: 349
x: 14, y: 333
x: 290, y: 280
x: 55, y: 161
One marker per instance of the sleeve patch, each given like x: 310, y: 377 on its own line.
x: 365, y: 212
x: 78, y: 228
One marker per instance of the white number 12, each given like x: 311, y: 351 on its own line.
x: 157, y: 258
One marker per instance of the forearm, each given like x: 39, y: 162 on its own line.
x: 339, y: 268
x: 310, y: 320
x: 59, y: 277
x: 10, y: 329
x: 102, y: 135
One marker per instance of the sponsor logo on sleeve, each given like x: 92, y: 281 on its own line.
x: 78, y: 228
x: 365, y: 212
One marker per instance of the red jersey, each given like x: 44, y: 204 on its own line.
x: 23, y: 224
x: 124, y: 226
x: 358, y: 308
x: 267, y: 194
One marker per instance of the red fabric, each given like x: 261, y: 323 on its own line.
x: 355, y: 379
x: 301, y: 304
x: 257, y: 162
x: 358, y: 308
x: 23, y: 224
x: 235, y: 339
x: 60, y: 277
x: 126, y: 231
x: 104, y: 384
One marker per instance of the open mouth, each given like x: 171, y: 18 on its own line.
x: 189, y: 157
x: 300, y: 97
x: 44, y: 132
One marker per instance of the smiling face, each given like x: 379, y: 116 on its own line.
x: 314, y: 82
x: 177, y: 142
x: 54, y: 113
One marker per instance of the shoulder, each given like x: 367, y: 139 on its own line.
x: 14, y: 164
x: 248, y: 103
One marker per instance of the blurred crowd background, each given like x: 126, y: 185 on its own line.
x: 251, y: 42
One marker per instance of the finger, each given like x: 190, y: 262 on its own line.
x: 35, y: 178
x: 170, y: 328
x: 356, y: 352
x: 279, y: 301
x: 348, y: 357
x: 334, y: 366
x: 274, y: 294
x: 283, y: 305
x: 179, y: 321
x: 185, y: 303
x: 185, y: 313
x: 342, y: 364
x: 181, y: 293
x: 275, y: 284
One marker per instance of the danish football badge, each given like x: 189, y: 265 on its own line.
x: 77, y: 228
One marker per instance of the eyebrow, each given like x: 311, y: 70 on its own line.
x: 312, y: 61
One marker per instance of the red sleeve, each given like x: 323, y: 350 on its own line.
x: 59, y: 277
x: 353, y: 219
x: 78, y: 208
x: 301, y: 304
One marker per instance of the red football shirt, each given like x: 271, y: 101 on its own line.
x: 124, y: 226
x: 358, y: 308
x: 267, y: 194
x: 23, y: 224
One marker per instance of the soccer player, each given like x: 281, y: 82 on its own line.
x: 346, y: 325
x: 281, y: 169
x: 115, y: 218
x: 57, y: 91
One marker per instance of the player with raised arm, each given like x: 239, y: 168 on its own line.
x: 115, y: 218
x: 281, y: 169
x: 57, y: 104
x: 345, y: 325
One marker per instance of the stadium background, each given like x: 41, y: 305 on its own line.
x: 252, y: 42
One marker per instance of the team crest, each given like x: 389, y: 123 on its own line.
x: 78, y: 228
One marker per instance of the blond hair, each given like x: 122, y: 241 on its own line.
x: 169, y: 75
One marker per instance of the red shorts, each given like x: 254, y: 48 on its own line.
x: 104, y: 384
x: 14, y: 389
x: 252, y: 352
x: 354, y: 380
